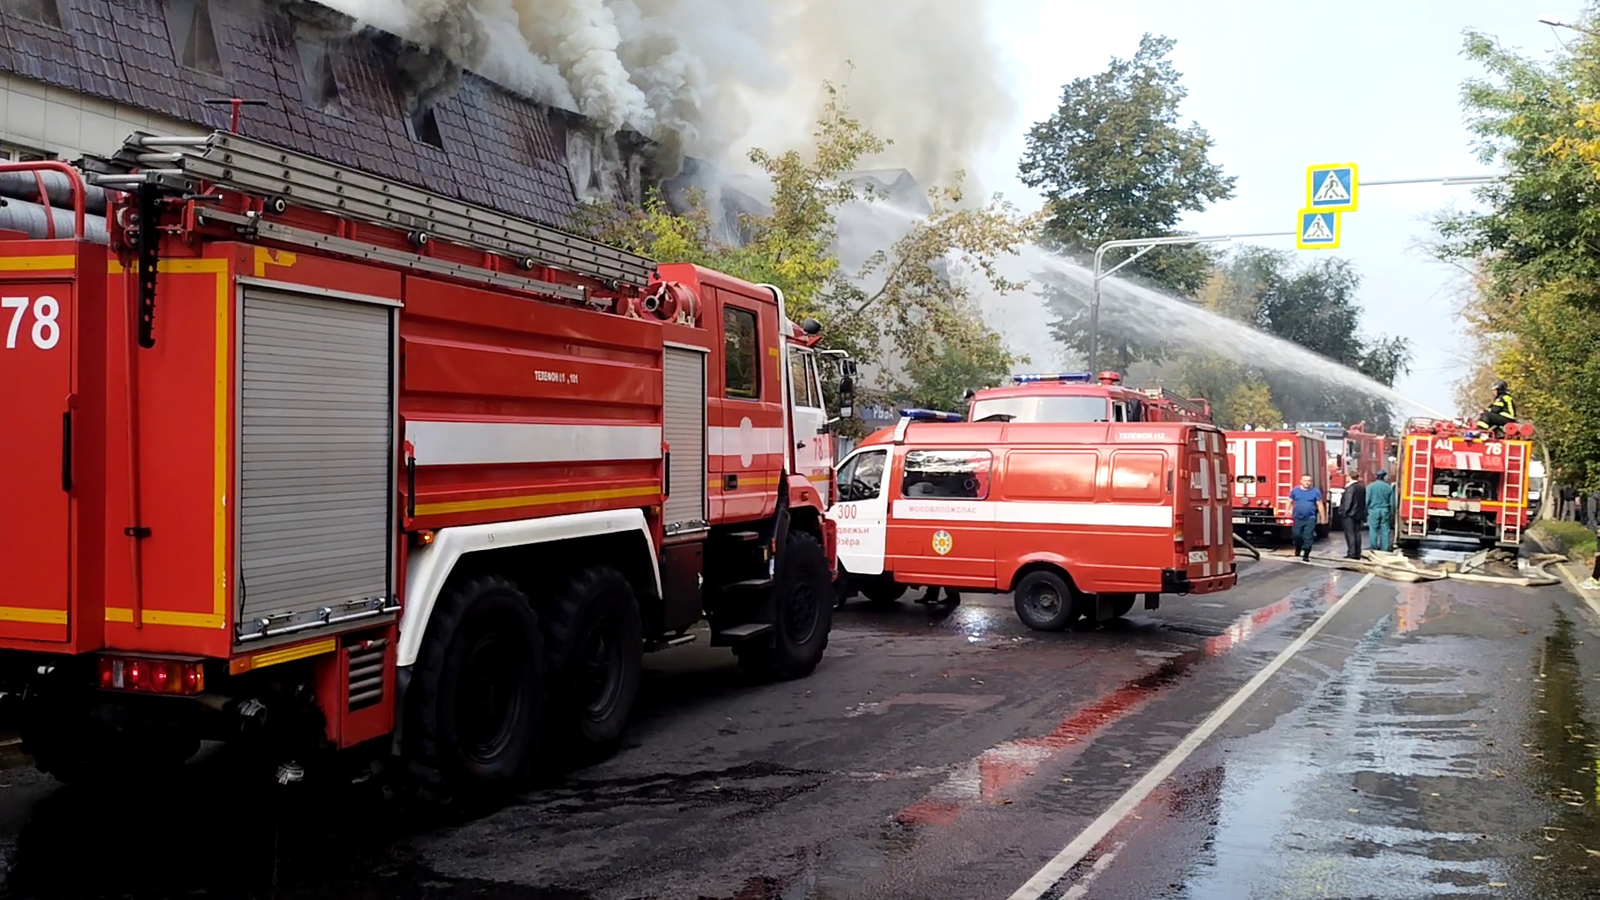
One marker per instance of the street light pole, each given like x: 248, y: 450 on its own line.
x: 1145, y: 245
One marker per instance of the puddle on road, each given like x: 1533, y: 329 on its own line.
x: 996, y: 773
x: 1562, y: 747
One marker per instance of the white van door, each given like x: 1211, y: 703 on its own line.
x: 862, y: 511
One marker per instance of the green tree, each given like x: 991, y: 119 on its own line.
x: 1534, y: 244
x: 914, y: 297
x: 1115, y: 161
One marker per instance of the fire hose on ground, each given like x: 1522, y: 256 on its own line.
x: 1395, y: 567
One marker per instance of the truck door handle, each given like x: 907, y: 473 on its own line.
x: 730, y: 482
x: 66, y: 451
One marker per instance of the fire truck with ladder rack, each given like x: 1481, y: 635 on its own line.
x: 1458, y: 481
x: 1065, y: 397
x: 301, y: 455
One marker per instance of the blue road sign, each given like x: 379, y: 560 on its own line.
x: 1318, y: 230
x: 1332, y: 188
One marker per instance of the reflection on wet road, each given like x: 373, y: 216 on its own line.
x: 1432, y: 740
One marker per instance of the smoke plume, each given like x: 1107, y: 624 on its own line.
x: 708, y: 77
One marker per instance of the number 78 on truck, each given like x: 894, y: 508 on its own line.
x: 357, y: 470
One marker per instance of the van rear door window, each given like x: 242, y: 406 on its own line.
x: 947, y: 474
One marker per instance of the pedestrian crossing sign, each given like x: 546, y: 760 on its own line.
x: 1318, y: 230
x: 1332, y: 188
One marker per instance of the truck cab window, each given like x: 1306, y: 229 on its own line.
x: 1119, y: 412
x: 802, y: 380
x: 742, y: 380
x: 861, y: 476
x: 947, y: 474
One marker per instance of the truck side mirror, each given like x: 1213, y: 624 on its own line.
x: 847, y: 396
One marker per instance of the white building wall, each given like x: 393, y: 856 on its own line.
x: 38, y: 117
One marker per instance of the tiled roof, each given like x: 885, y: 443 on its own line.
x: 500, y: 150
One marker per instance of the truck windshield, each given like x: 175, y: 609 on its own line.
x: 1042, y: 409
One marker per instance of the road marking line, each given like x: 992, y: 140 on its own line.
x: 1582, y: 594
x: 1081, y: 889
x: 1072, y: 854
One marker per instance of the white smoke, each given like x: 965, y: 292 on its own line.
x: 708, y: 77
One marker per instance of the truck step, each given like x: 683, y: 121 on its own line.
x: 678, y: 641
x: 740, y: 633
x: 754, y: 584
x: 744, y: 535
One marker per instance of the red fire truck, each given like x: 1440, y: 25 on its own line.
x: 329, y: 460
x: 1464, y: 482
x: 1368, y: 453
x: 1076, y: 519
x: 1062, y: 397
x: 1266, y: 466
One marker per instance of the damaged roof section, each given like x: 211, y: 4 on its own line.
x: 359, y: 97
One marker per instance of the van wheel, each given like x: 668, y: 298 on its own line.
x: 596, y: 643
x: 477, y: 687
x: 1122, y: 604
x: 1045, y: 601
x: 881, y: 591
x: 805, y: 614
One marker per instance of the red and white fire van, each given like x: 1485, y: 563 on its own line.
x: 1076, y: 519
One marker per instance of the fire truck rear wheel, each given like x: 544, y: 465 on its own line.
x: 596, y: 643
x: 477, y: 688
x: 805, y: 614
x: 1046, y: 602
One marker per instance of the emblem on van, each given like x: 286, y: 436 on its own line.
x: 942, y: 542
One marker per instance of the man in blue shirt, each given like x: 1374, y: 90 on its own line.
x: 1308, y: 510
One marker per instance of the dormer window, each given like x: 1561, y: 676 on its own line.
x: 424, y: 127
x: 319, y: 87
x: 45, y: 12
x: 194, y: 38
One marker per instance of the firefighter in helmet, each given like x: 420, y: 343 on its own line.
x: 1501, y: 411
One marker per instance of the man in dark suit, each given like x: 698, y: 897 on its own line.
x: 1353, y: 512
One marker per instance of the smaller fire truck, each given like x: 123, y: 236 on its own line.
x: 1266, y: 466
x: 1464, y: 482
x: 1082, y: 397
x: 1076, y: 519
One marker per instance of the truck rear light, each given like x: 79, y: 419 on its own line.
x: 151, y: 676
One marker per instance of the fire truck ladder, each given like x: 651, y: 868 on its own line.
x: 231, y: 162
x: 1512, y: 493
x: 1419, y: 484
x: 1286, y: 480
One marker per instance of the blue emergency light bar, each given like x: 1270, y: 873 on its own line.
x: 1063, y: 377
x: 931, y: 415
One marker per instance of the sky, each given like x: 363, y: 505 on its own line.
x: 1281, y: 86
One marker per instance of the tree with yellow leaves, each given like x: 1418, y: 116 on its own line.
x: 913, y: 298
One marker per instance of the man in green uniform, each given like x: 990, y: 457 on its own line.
x: 1380, y: 513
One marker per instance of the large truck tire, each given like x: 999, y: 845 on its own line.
x: 596, y: 643
x: 477, y: 688
x: 1122, y: 604
x: 804, y: 614
x: 1045, y: 601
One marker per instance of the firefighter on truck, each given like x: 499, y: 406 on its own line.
x: 1076, y: 520
x: 328, y: 484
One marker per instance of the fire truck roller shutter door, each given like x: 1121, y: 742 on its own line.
x: 315, y: 449
x: 684, y: 415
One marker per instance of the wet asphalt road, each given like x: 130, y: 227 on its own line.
x: 1432, y: 740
